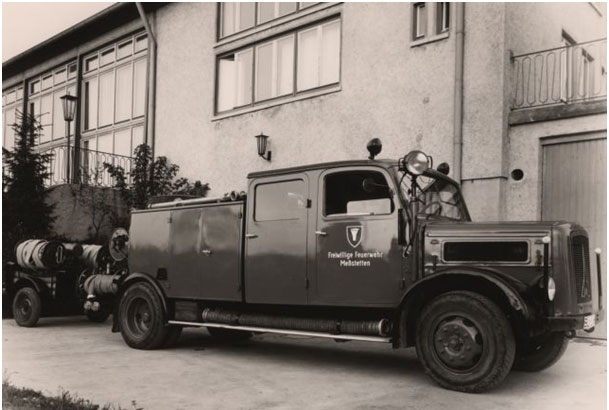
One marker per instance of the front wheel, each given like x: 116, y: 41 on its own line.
x: 142, y: 317
x: 539, y: 353
x: 465, y: 342
x: 27, y: 307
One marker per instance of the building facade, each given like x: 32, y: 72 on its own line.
x: 511, y: 95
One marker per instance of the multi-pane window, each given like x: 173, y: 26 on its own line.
x: 442, y: 17
x: 44, y: 101
x: 114, y: 96
x: 293, y: 63
x: 236, y: 17
x: 11, y: 105
x: 429, y: 19
x: 420, y: 20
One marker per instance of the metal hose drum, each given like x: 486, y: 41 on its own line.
x: 40, y: 254
x: 99, y: 285
x: 94, y: 256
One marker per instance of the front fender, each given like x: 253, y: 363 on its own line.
x: 516, y: 301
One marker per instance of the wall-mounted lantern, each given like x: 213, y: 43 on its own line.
x: 261, y: 141
x: 68, y: 103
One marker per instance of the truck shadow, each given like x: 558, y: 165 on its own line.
x: 311, y: 352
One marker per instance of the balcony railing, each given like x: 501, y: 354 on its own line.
x: 86, y: 168
x: 560, y: 75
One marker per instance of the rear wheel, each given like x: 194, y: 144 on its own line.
x: 541, y: 352
x: 142, y: 317
x: 229, y: 334
x: 27, y: 307
x: 465, y: 342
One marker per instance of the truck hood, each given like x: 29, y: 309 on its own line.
x: 452, y: 228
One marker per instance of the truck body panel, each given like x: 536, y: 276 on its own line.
x: 195, y: 251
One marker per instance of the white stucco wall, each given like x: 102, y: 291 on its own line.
x: 387, y: 90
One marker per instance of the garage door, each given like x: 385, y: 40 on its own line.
x: 574, y: 188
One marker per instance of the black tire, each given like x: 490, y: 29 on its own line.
x: 229, y: 334
x: 98, y: 317
x: 142, y: 318
x: 539, y: 353
x: 27, y: 307
x: 173, y: 335
x: 465, y: 342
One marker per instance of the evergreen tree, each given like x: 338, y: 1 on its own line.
x: 25, y: 214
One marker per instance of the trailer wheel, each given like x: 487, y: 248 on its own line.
x: 229, y: 334
x: 465, y: 342
x: 142, y: 317
x: 98, y: 317
x: 539, y: 353
x: 26, y: 307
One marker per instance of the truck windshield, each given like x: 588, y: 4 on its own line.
x: 442, y: 198
x: 437, y: 197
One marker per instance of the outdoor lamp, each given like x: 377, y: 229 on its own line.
x: 261, y: 141
x: 68, y: 103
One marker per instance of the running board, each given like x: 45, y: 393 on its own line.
x: 286, y: 331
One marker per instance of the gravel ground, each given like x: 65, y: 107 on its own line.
x: 273, y: 372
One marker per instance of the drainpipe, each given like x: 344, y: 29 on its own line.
x: 458, y: 101
x: 151, y: 95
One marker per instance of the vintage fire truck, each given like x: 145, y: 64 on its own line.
x: 368, y: 250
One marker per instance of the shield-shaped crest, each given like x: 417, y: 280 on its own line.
x: 354, y: 235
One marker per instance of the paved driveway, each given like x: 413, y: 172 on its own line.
x: 272, y: 372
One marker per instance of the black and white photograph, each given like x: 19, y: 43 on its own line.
x: 301, y: 205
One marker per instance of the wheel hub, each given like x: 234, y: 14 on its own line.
x: 25, y: 306
x: 458, y: 343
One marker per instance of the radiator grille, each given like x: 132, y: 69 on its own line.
x: 581, y: 267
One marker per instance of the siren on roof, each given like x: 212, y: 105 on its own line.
x: 374, y: 147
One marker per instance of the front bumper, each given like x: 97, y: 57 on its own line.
x: 580, y: 322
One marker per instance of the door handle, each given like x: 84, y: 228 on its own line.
x: 320, y: 233
x: 206, y: 252
x: 251, y: 235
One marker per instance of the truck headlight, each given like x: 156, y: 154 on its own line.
x: 551, y: 286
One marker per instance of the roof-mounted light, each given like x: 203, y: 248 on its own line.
x: 415, y: 162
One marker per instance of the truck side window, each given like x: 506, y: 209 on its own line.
x: 280, y: 201
x: 344, y: 194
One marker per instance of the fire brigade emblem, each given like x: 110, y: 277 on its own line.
x: 354, y: 235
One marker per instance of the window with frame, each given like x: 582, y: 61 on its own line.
x: 299, y: 61
x: 12, y: 100
x: 357, y: 193
x: 240, y: 16
x: 430, y: 19
x: 44, y: 101
x: 280, y: 201
x: 114, y: 95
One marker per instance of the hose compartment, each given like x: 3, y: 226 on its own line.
x: 380, y: 327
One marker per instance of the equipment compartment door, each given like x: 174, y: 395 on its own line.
x: 359, y: 259
x: 220, y: 252
x: 276, y: 241
x: 205, y: 248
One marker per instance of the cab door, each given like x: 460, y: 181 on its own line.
x: 276, y: 240
x: 358, y: 257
